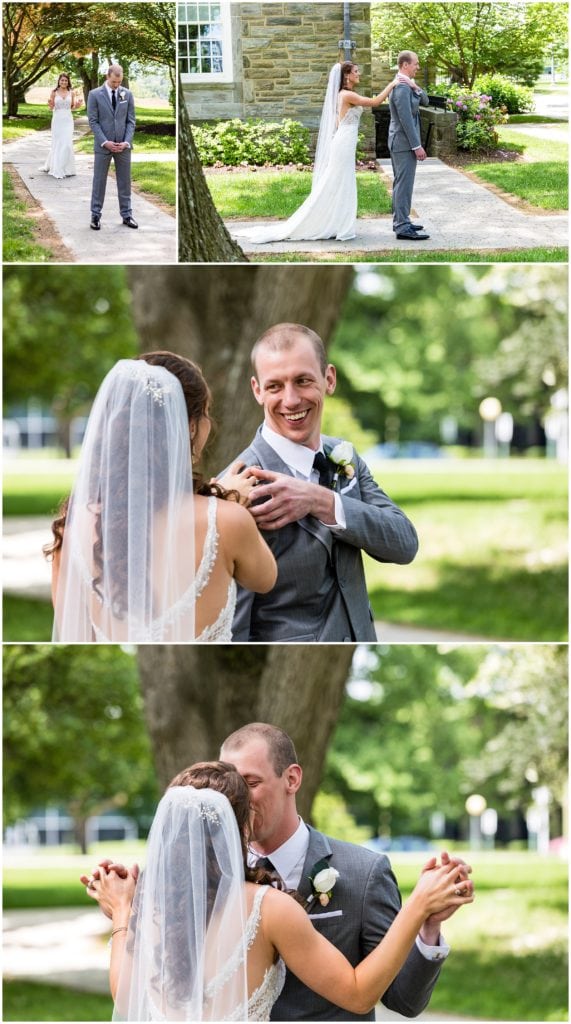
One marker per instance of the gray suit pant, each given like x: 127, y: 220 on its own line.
x: 404, y: 170
x: 123, y: 174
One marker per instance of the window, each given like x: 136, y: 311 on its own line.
x: 204, y: 42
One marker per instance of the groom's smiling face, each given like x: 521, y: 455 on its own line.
x: 291, y: 387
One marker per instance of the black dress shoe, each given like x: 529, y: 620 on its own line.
x: 130, y: 223
x: 95, y: 222
x: 412, y: 236
x: 417, y: 227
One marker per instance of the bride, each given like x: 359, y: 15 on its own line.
x: 201, y: 936
x: 61, y: 160
x: 143, y: 549
x: 330, y: 210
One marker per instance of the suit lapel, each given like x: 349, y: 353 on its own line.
x: 318, y: 849
x: 269, y: 459
x: 105, y: 94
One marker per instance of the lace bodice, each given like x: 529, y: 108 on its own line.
x: 219, y: 631
x: 263, y: 998
x: 352, y: 117
x: 62, y: 102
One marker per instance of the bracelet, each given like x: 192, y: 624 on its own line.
x: 123, y: 928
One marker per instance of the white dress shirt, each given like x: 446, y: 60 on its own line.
x: 288, y: 861
x: 299, y: 459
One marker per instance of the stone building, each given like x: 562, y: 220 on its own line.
x: 267, y: 60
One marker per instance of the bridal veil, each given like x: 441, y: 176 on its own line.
x: 186, y: 951
x: 327, y: 124
x: 127, y: 567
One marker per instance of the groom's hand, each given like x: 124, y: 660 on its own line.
x: 287, y: 499
x: 431, y: 928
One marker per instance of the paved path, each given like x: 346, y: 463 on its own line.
x: 66, y: 202
x: 457, y: 213
x: 65, y: 947
x: 26, y: 573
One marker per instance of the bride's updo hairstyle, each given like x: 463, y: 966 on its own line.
x: 224, y: 778
x: 346, y: 69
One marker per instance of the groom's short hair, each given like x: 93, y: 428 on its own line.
x: 280, y: 746
x: 405, y: 57
x: 284, y: 336
x: 114, y: 69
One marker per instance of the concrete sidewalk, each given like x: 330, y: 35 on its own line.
x: 66, y: 202
x: 26, y: 573
x: 456, y: 211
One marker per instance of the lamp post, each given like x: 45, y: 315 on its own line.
x: 489, y: 409
x: 475, y: 806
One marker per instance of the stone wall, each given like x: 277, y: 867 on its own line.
x: 282, y: 56
x: 442, y: 139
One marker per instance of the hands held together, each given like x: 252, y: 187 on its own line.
x: 441, y: 889
x: 282, y: 498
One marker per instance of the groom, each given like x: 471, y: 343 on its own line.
x: 405, y: 145
x: 316, y: 502
x: 111, y: 115
x: 364, y: 898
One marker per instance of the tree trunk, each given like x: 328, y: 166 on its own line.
x: 195, y: 696
x: 203, y: 237
x: 12, y: 100
x: 213, y: 315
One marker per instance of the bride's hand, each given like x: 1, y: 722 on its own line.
x: 441, y: 889
x: 113, y: 892
x: 239, y: 478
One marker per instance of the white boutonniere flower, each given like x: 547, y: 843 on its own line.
x: 122, y: 94
x: 342, y: 456
x: 323, y: 879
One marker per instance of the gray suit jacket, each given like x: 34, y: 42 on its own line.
x: 106, y: 125
x: 364, y: 902
x: 404, y: 127
x: 321, y: 594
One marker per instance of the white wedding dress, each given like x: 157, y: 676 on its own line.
x: 61, y: 160
x: 263, y: 998
x: 330, y: 210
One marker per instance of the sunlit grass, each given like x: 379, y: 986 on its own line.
x: 256, y: 193
x: 18, y: 235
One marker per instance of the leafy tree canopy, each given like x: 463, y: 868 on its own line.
x: 464, y: 40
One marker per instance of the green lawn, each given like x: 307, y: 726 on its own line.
x: 279, y: 193
x: 541, y: 180
x: 492, y: 559
x: 24, y: 1000
x: 32, y: 117
x: 558, y: 255
x: 157, y: 179
x: 509, y: 949
x: 18, y: 237
x: 508, y: 959
x: 26, y: 620
x: 37, y: 488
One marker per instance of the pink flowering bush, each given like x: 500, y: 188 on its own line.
x: 478, y: 120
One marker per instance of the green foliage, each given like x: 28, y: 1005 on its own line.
x: 413, y: 347
x: 253, y: 141
x: 504, y: 93
x: 330, y: 815
x: 478, y: 120
x: 18, y: 242
x: 422, y: 727
x: 25, y: 1000
x: 64, y: 328
x: 465, y: 40
x: 74, y: 733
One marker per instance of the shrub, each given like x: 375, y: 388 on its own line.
x: 252, y: 141
x: 515, y: 98
x: 476, y: 129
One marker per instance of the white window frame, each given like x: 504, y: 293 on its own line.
x: 212, y: 77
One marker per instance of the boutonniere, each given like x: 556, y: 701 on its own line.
x: 122, y: 94
x: 342, y: 456
x: 323, y: 879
